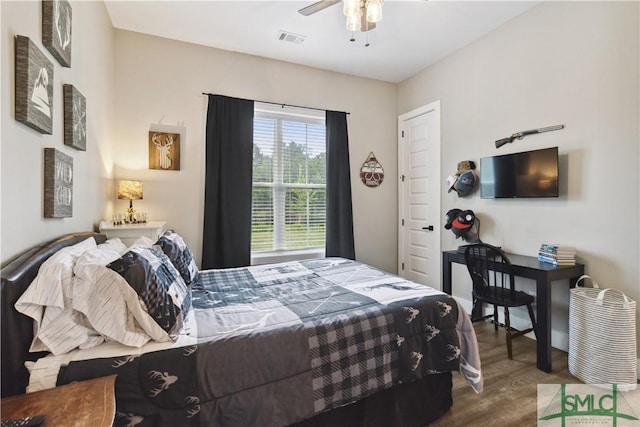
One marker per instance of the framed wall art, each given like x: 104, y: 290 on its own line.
x: 34, y: 86
x: 56, y: 29
x: 58, y: 184
x: 75, y: 118
x: 164, y: 151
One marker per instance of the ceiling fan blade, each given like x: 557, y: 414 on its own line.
x: 317, y: 7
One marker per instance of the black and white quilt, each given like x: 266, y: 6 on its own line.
x: 279, y: 343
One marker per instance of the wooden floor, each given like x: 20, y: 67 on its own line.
x: 510, y: 386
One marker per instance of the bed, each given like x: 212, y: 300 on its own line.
x: 325, y: 342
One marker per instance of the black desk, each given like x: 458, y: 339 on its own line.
x: 543, y: 274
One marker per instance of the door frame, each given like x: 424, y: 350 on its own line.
x: 428, y: 108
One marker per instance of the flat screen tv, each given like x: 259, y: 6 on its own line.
x: 520, y: 175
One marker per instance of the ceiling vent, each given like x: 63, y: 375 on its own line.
x: 290, y: 37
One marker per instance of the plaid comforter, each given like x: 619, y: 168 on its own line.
x: 280, y: 343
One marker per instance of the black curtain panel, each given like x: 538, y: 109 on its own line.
x: 228, y: 183
x: 339, y: 240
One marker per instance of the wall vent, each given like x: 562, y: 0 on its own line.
x: 286, y: 36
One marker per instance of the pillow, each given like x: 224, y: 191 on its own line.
x: 111, y: 306
x: 158, y: 285
x: 114, y: 244
x: 48, y: 298
x: 180, y: 255
x: 142, y: 242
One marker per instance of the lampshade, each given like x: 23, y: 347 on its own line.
x: 374, y: 10
x: 353, y: 21
x: 361, y: 13
x: 349, y: 5
x: 130, y: 190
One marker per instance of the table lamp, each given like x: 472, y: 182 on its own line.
x: 131, y: 190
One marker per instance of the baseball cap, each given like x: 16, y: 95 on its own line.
x: 466, y: 165
x: 466, y: 183
x: 451, y: 182
x: 462, y: 223
x: 450, y: 216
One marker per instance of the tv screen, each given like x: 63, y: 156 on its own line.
x: 527, y: 174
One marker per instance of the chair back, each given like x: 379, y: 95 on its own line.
x: 489, y: 266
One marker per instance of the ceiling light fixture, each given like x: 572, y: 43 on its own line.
x: 360, y: 13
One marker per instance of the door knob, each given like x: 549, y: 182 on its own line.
x: 429, y: 228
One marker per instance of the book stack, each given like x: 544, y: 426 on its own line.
x: 557, y: 254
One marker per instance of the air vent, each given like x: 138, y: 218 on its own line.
x: 290, y: 37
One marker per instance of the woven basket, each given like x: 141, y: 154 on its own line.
x: 602, y: 336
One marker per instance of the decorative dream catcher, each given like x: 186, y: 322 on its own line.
x: 371, y: 172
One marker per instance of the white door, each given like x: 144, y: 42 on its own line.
x: 419, y: 195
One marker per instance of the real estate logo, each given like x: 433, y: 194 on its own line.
x: 587, y: 404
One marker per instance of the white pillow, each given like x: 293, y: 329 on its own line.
x: 142, y: 242
x: 112, y: 307
x: 114, y: 244
x: 50, y: 294
x: 101, y: 255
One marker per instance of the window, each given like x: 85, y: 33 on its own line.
x: 289, y: 179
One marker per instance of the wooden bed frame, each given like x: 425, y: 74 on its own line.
x: 411, y: 404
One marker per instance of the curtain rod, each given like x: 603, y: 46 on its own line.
x: 282, y: 105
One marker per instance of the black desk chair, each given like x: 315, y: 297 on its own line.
x: 493, y: 283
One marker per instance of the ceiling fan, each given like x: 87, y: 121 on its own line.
x: 365, y: 25
x: 317, y: 7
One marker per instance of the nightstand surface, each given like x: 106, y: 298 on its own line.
x: 129, y: 233
x: 88, y: 403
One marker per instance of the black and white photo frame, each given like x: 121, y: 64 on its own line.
x: 33, y: 86
x: 75, y: 118
x: 58, y: 184
x: 56, y: 29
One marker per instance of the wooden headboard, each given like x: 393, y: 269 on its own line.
x: 17, y: 329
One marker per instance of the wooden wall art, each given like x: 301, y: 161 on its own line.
x: 371, y: 172
x: 58, y: 184
x: 75, y: 118
x: 34, y: 86
x: 164, y: 151
x: 56, y: 29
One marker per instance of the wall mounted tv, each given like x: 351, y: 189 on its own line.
x: 520, y: 175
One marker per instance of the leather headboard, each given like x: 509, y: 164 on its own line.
x: 17, y: 329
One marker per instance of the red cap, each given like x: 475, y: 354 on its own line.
x: 457, y: 224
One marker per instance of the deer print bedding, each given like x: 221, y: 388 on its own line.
x: 279, y: 343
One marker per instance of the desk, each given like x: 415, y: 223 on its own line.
x: 90, y: 403
x: 544, y: 274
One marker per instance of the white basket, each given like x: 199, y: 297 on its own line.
x: 602, y: 336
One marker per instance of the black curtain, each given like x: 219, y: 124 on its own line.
x: 228, y: 183
x: 339, y: 239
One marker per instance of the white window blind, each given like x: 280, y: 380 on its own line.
x: 289, y: 179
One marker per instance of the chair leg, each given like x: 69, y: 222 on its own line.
x: 495, y: 317
x: 533, y: 319
x: 507, y: 324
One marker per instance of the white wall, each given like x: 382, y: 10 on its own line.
x: 160, y: 82
x: 571, y: 63
x: 92, y: 73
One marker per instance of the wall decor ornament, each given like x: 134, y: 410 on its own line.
x: 371, y: 172
x: 58, y: 184
x: 34, y: 86
x: 164, y: 151
x: 75, y: 118
x: 56, y: 29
